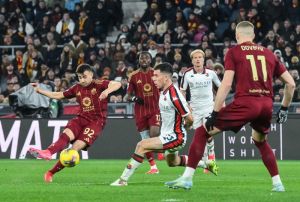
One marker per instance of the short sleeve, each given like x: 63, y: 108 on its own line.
x: 279, y: 68
x: 216, y: 79
x: 179, y: 102
x: 184, y: 83
x: 71, y: 92
x: 229, y: 60
x: 131, y: 86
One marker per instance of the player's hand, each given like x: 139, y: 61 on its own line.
x: 282, y: 114
x: 210, y: 121
x: 103, y: 95
x: 137, y: 100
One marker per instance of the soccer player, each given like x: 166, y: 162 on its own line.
x: 252, y: 68
x: 145, y: 94
x: 200, y: 81
x: 84, y: 129
x: 174, y: 112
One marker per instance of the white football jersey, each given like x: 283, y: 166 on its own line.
x: 201, y: 89
x: 173, y: 107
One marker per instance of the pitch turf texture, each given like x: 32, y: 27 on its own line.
x: 22, y: 180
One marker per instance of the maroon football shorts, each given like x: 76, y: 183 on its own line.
x: 256, y: 110
x: 144, y: 122
x: 85, y: 130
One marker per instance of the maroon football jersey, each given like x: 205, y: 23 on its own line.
x: 91, y: 107
x: 141, y: 85
x: 255, y: 67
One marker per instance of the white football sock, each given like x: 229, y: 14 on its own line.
x: 188, y: 173
x: 130, y: 168
x: 276, y: 179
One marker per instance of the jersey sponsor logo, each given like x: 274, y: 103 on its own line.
x: 86, y: 101
x: 147, y: 87
x: 93, y: 91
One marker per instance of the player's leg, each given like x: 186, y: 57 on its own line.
x: 63, y: 140
x: 72, y: 130
x: 154, y: 123
x: 195, y: 154
x: 149, y: 155
x: 137, y: 159
x: 268, y: 159
x: 48, y: 177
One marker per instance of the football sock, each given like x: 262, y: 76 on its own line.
x: 276, y: 179
x: 267, y: 156
x: 57, y: 167
x: 133, y: 164
x: 60, y: 144
x: 149, y: 156
x: 188, y: 173
x: 210, y: 147
x: 197, y: 147
x: 183, y: 160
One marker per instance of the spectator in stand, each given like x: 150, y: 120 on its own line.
x: 115, y: 11
x: 66, y: 23
x: 119, y: 53
x: 92, y: 46
x: 157, y: 28
x: 131, y: 56
x: 275, y: 11
x: 101, y: 20
x: 77, y: 45
x: 67, y: 58
x: 84, y: 26
x: 70, y: 4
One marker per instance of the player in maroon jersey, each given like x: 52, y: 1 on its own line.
x: 145, y: 94
x: 84, y: 129
x: 252, y: 68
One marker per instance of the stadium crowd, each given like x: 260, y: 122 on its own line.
x: 60, y: 35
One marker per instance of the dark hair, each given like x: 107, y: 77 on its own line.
x: 84, y: 67
x: 165, y: 67
x: 145, y: 53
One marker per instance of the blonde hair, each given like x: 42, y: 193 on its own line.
x: 197, y: 51
x: 245, y: 27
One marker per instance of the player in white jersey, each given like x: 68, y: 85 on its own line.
x: 175, y: 116
x: 200, y: 81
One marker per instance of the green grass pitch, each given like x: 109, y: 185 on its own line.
x: 22, y: 180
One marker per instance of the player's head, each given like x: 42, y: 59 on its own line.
x: 197, y: 56
x: 85, y: 74
x: 162, y: 75
x: 244, y: 32
x: 145, y: 59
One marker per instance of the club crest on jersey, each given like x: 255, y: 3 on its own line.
x: 147, y: 87
x: 139, y: 81
x: 206, y: 74
x: 165, y: 98
x: 93, y: 91
x: 86, y: 101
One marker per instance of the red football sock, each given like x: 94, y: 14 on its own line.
x: 60, y: 144
x: 57, y: 167
x: 149, y: 156
x: 267, y: 157
x: 197, y: 147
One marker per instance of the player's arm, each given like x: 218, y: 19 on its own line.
x: 223, y: 90
x: 288, y: 89
x: 188, y: 121
x: 112, y: 86
x: 53, y: 95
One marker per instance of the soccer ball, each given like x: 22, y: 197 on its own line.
x: 69, y: 157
